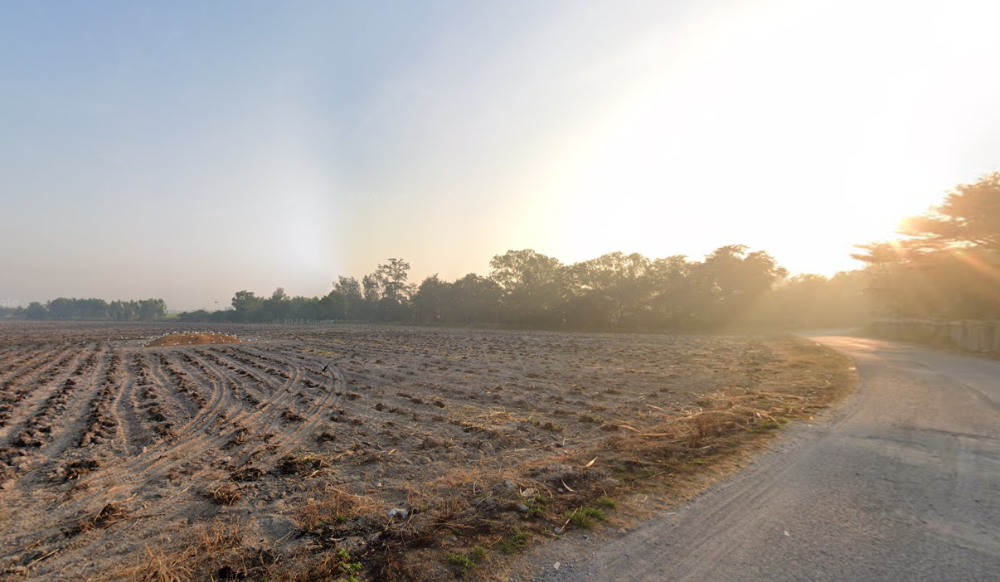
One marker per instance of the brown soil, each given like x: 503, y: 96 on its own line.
x: 373, y: 452
x: 193, y: 339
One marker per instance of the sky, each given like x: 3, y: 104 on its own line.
x: 189, y: 150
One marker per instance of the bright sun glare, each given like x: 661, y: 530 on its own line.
x: 739, y: 136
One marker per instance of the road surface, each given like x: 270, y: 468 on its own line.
x: 902, y: 482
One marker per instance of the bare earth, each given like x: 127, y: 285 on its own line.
x: 192, y: 339
x: 266, y: 458
x: 900, y: 483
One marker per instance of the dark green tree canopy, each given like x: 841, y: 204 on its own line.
x: 97, y: 309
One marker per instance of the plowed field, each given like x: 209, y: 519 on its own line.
x: 324, y: 452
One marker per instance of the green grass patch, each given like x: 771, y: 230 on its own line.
x: 462, y: 563
x: 769, y: 424
x: 348, y: 570
x: 587, y: 516
x: 477, y: 553
x: 536, y: 506
x: 514, y: 541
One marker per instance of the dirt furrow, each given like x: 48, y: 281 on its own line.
x: 25, y: 381
x: 188, y: 401
x: 316, y: 413
x: 136, y: 437
x: 16, y: 360
x: 28, y: 425
x: 77, y: 418
x: 247, y: 386
x: 213, y: 397
x: 280, y: 394
x: 270, y: 384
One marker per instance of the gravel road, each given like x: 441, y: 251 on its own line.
x: 900, y: 482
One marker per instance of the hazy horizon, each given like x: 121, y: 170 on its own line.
x: 188, y: 151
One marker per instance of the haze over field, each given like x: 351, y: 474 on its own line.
x: 186, y: 151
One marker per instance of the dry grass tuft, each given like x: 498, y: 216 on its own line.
x: 215, y: 549
x: 337, y: 508
x: 160, y: 567
x: 224, y: 494
x: 302, y: 465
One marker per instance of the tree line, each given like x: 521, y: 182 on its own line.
x: 944, y: 263
x: 732, y: 285
x: 64, y: 308
x: 247, y: 307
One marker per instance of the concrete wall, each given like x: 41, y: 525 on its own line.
x: 970, y: 335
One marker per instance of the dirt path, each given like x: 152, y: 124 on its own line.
x: 902, y: 482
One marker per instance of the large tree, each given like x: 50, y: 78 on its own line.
x: 386, y: 291
x: 613, y: 290
x: 475, y: 298
x: 672, y: 291
x: 393, y: 276
x: 533, y: 285
x: 36, y: 311
x: 279, y: 307
x: 246, y: 305
x: 354, y: 300
x: 730, y: 281
x: 946, y: 262
x: 432, y: 300
x: 968, y: 219
x: 150, y: 309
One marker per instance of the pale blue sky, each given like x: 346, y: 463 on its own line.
x: 187, y: 150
